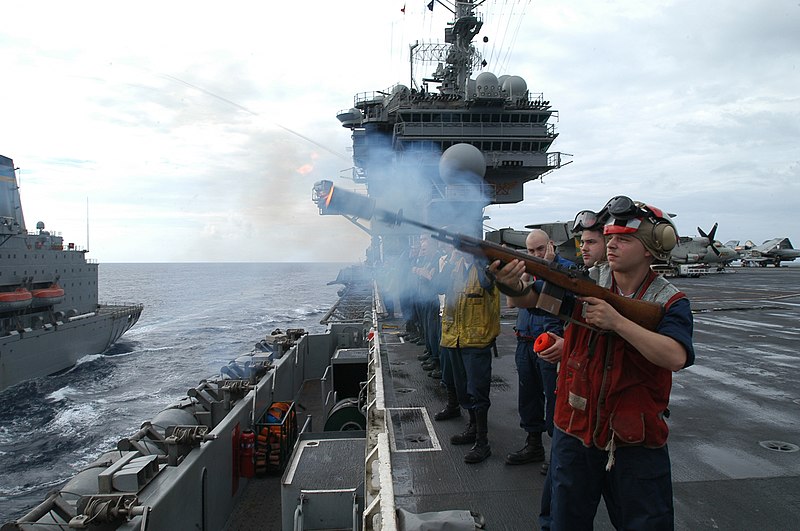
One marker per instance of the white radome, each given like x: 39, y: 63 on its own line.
x: 461, y: 159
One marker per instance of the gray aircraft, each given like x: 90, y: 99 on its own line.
x: 702, y: 250
x: 772, y: 251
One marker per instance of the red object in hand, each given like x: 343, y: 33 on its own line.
x: 543, y: 342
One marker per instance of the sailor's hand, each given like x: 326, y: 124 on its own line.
x: 599, y: 313
x: 550, y: 254
x: 509, y: 274
x: 553, y: 353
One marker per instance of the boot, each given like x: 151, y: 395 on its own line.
x: 481, y: 449
x: 431, y: 364
x: 451, y: 410
x: 532, y: 452
x: 468, y: 435
x: 435, y: 374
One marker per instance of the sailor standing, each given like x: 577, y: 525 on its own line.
x: 615, y: 381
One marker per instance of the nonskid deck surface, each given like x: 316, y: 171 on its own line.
x: 427, y: 479
x: 735, y: 419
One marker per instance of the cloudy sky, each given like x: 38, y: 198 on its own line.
x: 194, y: 131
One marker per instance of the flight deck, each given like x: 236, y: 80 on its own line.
x: 734, y: 424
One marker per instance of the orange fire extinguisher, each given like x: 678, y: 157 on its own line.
x: 246, y: 450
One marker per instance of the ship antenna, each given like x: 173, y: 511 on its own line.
x: 87, y: 223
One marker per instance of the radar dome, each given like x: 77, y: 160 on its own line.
x: 487, y: 85
x: 460, y: 159
x: 515, y: 86
x: 502, y: 79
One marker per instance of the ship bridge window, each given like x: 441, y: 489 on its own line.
x: 515, y: 118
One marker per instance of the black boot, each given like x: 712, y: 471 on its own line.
x: 532, y: 452
x: 431, y: 364
x: 451, y: 410
x: 481, y: 449
x: 468, y: 435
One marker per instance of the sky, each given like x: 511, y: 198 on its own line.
x: 194, y: 131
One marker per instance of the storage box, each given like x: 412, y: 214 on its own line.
x: 276, y: 432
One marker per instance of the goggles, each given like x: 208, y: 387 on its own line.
x: 587, y: 220
x: 623, y: 207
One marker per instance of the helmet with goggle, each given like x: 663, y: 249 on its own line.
x: 645, y: 222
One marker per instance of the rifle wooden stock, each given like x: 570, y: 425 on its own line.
x: 644, y: 313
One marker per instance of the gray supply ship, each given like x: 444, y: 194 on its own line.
x: 335, y: 430
x: 50, y: 315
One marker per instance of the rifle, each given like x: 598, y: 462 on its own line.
x: 644, y: 313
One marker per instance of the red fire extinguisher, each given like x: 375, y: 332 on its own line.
x: 246, y: 450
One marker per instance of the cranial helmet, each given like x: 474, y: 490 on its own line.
x: 646, y: 223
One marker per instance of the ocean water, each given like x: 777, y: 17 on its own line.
x: 196, y: 318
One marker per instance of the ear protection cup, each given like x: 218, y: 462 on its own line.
x: 664, y: 235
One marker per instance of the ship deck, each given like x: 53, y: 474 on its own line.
x: 734, y: 425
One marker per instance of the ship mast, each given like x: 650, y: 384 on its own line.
x: 12, y: 220
x: 457, y: 57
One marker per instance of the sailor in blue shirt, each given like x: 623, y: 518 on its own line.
x: 536, y: 377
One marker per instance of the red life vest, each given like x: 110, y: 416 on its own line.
x: 606, y: 387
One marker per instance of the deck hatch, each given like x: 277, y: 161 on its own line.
x: 410, y: 430
x: 780, y: 446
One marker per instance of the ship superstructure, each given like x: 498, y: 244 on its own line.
x: 50, y: 315
x: 400, y: 133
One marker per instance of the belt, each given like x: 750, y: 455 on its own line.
x: 524, y: 339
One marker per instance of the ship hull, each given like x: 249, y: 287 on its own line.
x: 56, y: 347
